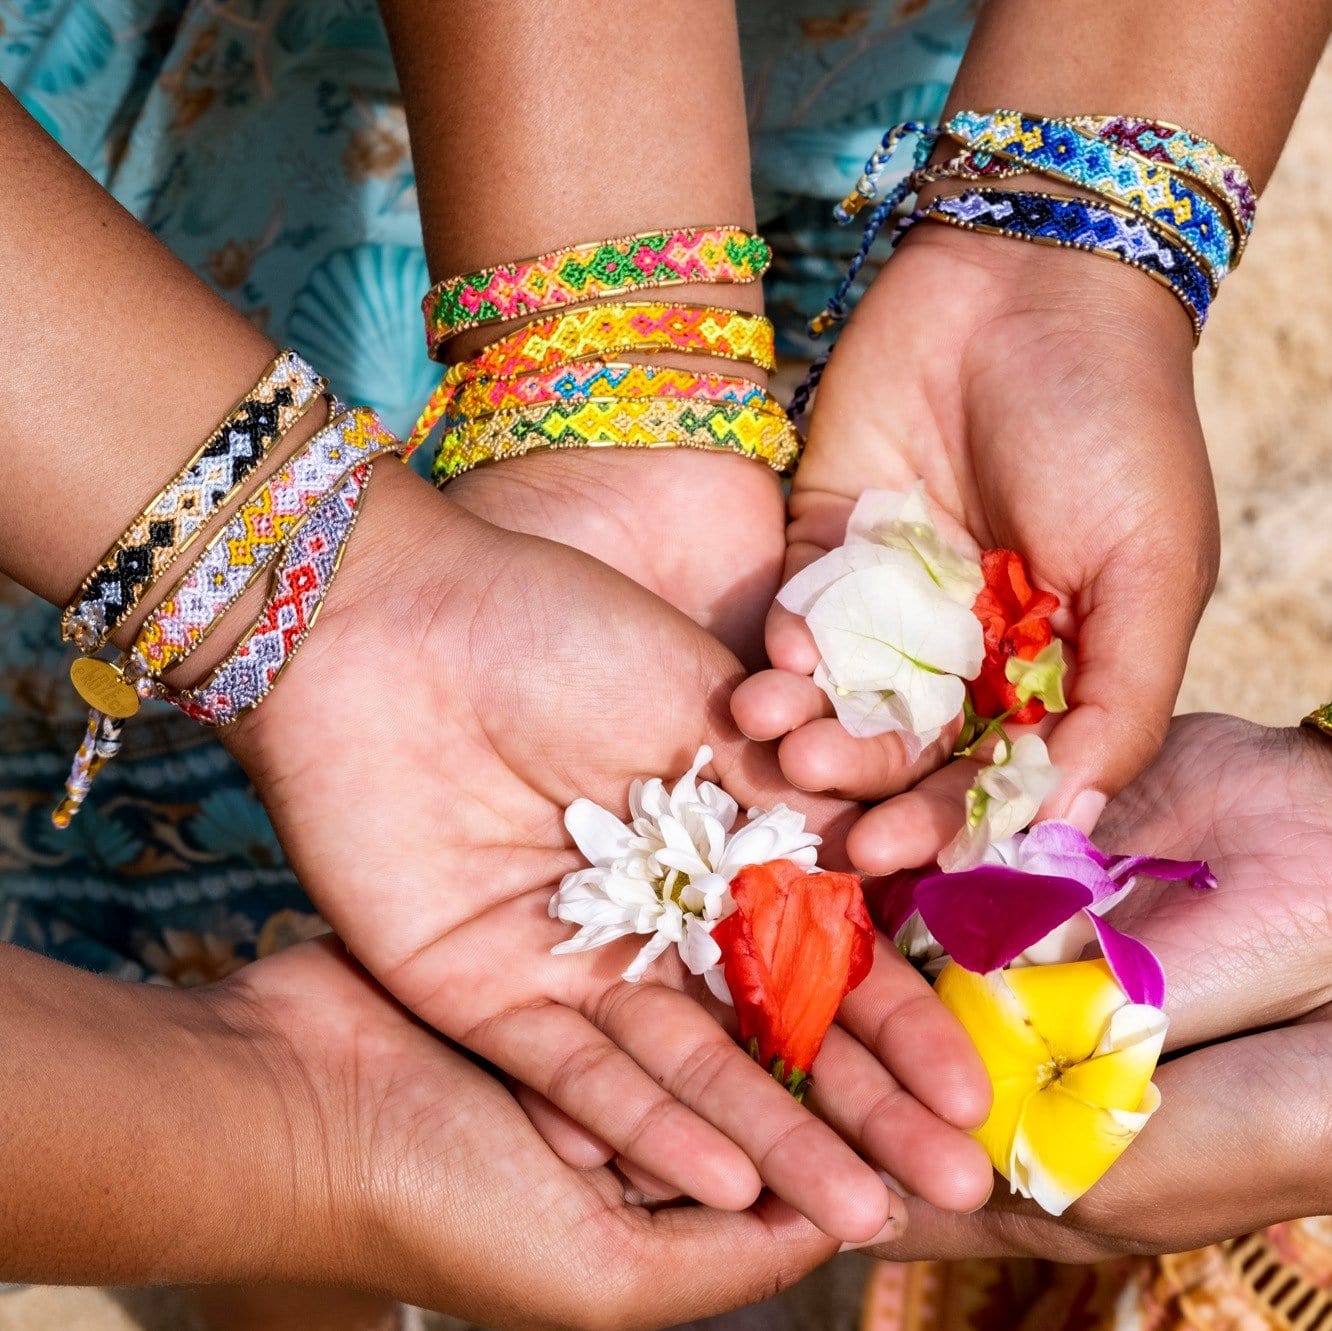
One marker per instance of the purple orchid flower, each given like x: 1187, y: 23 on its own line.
x: 986, y: 917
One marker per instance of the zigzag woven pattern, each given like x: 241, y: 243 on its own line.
x: 300, y: 584
x: 1150, y: 189
x: 254, y: 536
x: 481, y: 397
x: 636, y: 422
x: 1077, y: 224
x: 589, y: 272
x: 1189, y: 154
x: 170, y: 523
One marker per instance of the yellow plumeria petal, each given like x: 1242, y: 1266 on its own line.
x: 1069, y: 1004
x: 1009, y: 1046
x: 1118, y: 1076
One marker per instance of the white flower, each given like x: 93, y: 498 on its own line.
x: 882, y: 524
x: 891, y: 613
x: 1002, y: 801
x: 668, y: 872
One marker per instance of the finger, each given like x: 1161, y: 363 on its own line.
x: 648, y: 1187
x: 767, y: 1249
x: 789, y: 643
x: 823, y: 756
x: 868, y: 1107
x: 772, y: 703
x: 562, y: 1056
x: 798, y: 1157
x: 894, y: 1013
x: 572, y: 1142
x: 911, y: 829
x: 1122, y: 700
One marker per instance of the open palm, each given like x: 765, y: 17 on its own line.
x: 1045, y: 401
x: 466, y: 685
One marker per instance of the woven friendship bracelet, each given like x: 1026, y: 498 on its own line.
x: 589, y: 272
x: 253, y: 538
x: 1150, y: 189
x: 300, y: 585
x: 607, y: 330
x: 1188, y: 154
x: 211, y: 478
x: 481, y: 397
x: 642, y: 422
x: 1049, y: 219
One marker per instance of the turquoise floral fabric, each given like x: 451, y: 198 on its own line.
x: 264, y: 142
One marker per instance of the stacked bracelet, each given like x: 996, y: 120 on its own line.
x: 590, y: 272
x: 1320, y: 719
x: 169, y: 524
x: 554, y: 384
x: 297, y: 523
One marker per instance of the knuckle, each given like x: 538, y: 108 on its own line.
x: 579, y: 1067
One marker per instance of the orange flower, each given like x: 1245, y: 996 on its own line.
x: 1015, y: 617
x: 795, y: 946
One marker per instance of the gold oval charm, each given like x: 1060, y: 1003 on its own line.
x: 103, y: 687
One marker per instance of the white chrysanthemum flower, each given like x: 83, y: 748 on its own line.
x: 668, y: 872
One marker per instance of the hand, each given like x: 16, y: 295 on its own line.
x: 704, y: 531
x: 1245, y: 1128
x: 1046, y: 401
x: 414, y: 1173
x: 464, y: 686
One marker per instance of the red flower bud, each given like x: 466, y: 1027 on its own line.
x: 1015, y: 618
x: 795, y: 946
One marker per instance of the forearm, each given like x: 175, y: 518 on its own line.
x: 542, y: 123
x: 1231, y: 71
x: 140, y: 1139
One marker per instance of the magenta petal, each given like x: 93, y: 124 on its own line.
x: 892, y: 900
x: 984, y: 917
x: 1134, y: 964
x: 1197, y: 873
x: 1063, y: 850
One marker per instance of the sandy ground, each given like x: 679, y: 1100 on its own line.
x: 1264, y: 649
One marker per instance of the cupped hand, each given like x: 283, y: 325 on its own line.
x: 464, y: 686
x: 1245, y: 1127
x: 1045, y: 400
x: 704, y: 531
x: 416, y: 1174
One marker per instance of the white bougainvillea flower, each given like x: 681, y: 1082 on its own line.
x: 883, y: 524
x: 667, y: 873
x: 1071, y: 1061
x: 1002, y: 801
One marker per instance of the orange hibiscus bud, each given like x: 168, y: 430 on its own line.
x: 1015, y: 618
x: 795, y: 946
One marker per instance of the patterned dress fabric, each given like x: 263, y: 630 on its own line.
x: 264, y: 142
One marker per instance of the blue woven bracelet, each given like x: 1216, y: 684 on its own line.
x: 1150, y: 189
x: 1050, y: 219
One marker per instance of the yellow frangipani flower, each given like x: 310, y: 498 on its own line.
x: 1071, y: 1061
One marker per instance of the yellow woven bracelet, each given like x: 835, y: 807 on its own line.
x: 1320, y: 719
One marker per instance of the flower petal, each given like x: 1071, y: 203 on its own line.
x: 599, y: 835
x: 1197, y: 873
x: 1060, y: 849
x: 1069, y: 1004
x: 1134, y: 964
x: 699, y: 950
x: 986, y: 916
x: 799, y: 595
x: 868, y: 712
x: 1118, y: 1074
x: 647, y: 954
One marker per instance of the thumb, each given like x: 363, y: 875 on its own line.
x: 1132, y: 647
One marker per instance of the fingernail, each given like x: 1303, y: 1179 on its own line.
x: 891, y: 1183
x: 1086, y: 810
x: 887, y: 1234
x: 633, y: 1197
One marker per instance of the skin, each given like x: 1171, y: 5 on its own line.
x: 336, y: 1141
x: 486, y: 687
x: 1045, y: 399
x: 1243, y: 1135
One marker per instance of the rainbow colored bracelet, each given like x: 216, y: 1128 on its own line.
x: 624, y: 264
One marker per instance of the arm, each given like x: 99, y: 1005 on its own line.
x: 1046, y: 400
x: 539, y: 125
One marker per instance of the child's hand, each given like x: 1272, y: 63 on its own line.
x: 1046, y: 401
x: 464, y: 687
